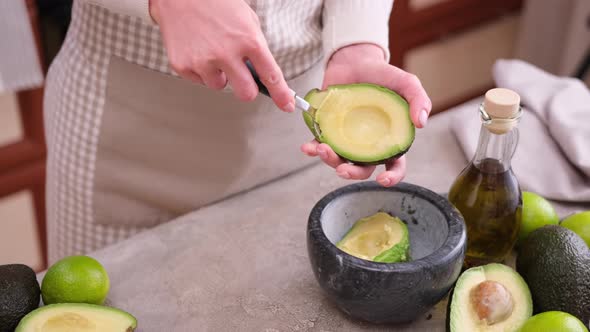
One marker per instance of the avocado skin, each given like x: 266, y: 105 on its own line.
x: 19, y: 294
x: 555, y: 262
x: 379, y: 162
x: 448, y: 308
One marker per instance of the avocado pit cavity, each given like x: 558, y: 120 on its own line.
x: 365, y: 124
x: 491, y: 301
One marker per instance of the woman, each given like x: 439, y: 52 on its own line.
x: 151, y: 112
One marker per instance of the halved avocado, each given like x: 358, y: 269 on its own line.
x: 363, y: 123
x: 64, y: 317
x: 492, y: 297
x: 379, y: 238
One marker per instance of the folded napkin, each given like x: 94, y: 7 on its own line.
x: 19, y: 64
x: 553, y: 153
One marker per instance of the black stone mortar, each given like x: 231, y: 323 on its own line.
x: 387, y: 292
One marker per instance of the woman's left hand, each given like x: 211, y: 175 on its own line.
x: 365, y: 63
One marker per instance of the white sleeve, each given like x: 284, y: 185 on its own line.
x: 136, y: 8
x: 347, y: 22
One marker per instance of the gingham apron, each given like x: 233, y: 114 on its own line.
x: 132, y: 145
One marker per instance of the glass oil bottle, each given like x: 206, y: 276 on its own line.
x: 487, y: 192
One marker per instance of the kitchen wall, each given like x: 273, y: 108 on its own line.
x: 457, y: 65
x: 555, y: 35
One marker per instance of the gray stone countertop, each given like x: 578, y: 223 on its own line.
x: 241, y: 264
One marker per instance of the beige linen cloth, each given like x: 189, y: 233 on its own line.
x: 553, y: 153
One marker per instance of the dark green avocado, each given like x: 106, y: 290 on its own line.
x: 19, y: 294
x: 555, y: 262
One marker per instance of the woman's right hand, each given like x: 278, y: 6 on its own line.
x: 209, y: 41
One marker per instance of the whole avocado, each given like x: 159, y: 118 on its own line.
x: 555, y: 262
x: 19, y: 294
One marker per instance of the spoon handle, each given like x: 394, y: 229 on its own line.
x: 299, y: 102
x: 261, y: 87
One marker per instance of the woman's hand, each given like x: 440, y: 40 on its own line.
x: 365, y: 63
x: 208, y: 42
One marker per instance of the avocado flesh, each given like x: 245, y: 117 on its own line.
x: 555, y: 262
x: 19, y: 294
x: 463, y: 313
x: 379, y: 238
x: 77, y: 317
x: 363, y: 123
x: 314, y: 97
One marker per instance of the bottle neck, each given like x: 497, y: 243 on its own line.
x: 495, y: 150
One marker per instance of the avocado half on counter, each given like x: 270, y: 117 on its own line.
x: 490, y: 298
x: 363, y: 123
x: 77, y: 317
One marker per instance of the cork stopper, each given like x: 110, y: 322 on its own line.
x: 502, y: 106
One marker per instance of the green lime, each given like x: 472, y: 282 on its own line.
x: 579, y: 223
x: 553, y: 321
x: 75, y: 279
x: 536, y: 213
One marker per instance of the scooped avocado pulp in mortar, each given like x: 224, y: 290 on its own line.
x: 363, y: 123
x: 379, y: 238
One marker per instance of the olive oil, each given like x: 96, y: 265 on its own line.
x: 487, y: 192
x: 490, y: 201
